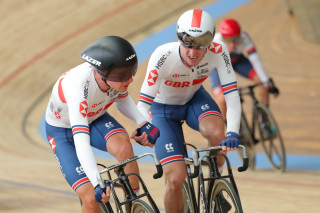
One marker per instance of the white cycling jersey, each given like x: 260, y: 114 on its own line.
x: 76, y: 101
x: 169, y: 80
x: 246, y: 45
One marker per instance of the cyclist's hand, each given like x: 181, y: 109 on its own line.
x: 274, y: 90
x: 146, y: 135
x: 231, y: 142
x: 100, y: 196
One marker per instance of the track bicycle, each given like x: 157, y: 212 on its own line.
x: 216, y: 193
x: 132, y: 203
x: 263, y: 129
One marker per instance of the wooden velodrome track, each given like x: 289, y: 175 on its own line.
x: 42, y: 39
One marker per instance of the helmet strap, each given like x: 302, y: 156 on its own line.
x: 105, y: 81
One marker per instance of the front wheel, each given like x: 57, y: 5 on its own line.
x: 270, y: 138
x: 139, y: 206
x: 223, y: 198
x: 187, y: 200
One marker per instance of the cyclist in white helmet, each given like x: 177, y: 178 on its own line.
x: 77, y: 117
x: 245, y: 61
x: 172, y: 91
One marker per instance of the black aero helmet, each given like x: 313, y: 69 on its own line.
x: 113, y: 57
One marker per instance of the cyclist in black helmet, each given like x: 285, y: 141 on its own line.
x: 76, y: 117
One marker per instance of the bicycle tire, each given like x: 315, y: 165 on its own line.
x: 270, y: 138
x: 140, y: 206
x: 247, y: 140
x: 106, y: 207
x: 224, y: 187
x: 188, y: 206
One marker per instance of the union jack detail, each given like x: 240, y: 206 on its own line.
x: 146, y: 98
x: 209, y: 113
x: 113, y: 132
x: 80, y: 182
x: 80, y: 129
x: 231, y: 87
x: 123, y: 95
x: 171, y: 159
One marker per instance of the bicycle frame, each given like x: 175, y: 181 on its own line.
x: 123, y: 182
x: 249, y: 91
x: 210, y: 161
x: 252, y: 124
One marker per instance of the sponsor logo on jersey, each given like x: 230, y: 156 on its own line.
x: 91, y: 60
x: 84, y: 108
x: 163, y: 59
x: 179, y: 75
x: 215, y: 48
x: 58, y: 116
x: 51, y: 106
x: 79, y: 170
x: 202, y: 65
x: 202, y: 71
x: 184, y: 83
x: 60, y: 165
x: 112, y: 92
x: 205, y: 107
x: 152, y: 77
x: 109, y: 125
x: 226, y: 60
x: 85, y: 90
x: 52, y: 143
x: 90, y: 114
x: 176, y: 75
x: 169, y: 147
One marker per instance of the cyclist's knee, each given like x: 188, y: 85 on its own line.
x: 86, y: 194
x: 175, y: 174
x: 212, y: 128
x: 120, y: 147
x: 90, y: 204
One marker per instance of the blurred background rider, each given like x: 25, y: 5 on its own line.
x: 245, y: 61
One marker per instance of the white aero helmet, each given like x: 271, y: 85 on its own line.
x: 195, y: 29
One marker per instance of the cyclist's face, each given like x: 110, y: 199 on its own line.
x: 120, y: 86
x: 231, y: 42
x: 231, y: 46
x: 192, y: 56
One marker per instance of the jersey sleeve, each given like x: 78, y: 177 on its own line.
x: 230, y: 89
x: 150, y: 85
x: 254, y: 58
x: 126, y: 106
x: 77, y: 106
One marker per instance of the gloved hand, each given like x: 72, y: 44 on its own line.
x: 152, y: 131
x: 98, y: 193
x: 231, y: 140
x: 274, y: 90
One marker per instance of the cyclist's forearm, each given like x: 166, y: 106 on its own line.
x: 233, y: 113
x: 86, y: 157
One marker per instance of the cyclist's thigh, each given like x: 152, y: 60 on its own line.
x: 244, y: 67
x: 62, y: 144
x: 200, y: 106
x: 169, y: 146
x: 102, y: 129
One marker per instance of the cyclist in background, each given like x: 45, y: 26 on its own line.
x: 238, y: 43
x: 76, y: 117
x: 172, y: 91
